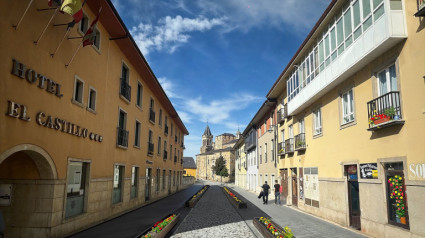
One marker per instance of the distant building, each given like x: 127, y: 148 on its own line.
x: 189, y: 167
x: 210, y: 151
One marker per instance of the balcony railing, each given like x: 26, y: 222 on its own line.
x: 282, y: 114
x: 122, y: 137
x: 300, y: 142
x: 125, y: 89
x: 289, y: 146
x: 281, y: 148
x: 150, y: 148
x: 165, y: 155
x: 384, y: 111
x: 421, y: 8
x: 151, y: 115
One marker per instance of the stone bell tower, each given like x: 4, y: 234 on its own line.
x: 207, y: 138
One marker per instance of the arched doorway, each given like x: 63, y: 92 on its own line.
x: 28, y: 174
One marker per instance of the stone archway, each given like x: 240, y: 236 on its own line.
x: 44, y: 163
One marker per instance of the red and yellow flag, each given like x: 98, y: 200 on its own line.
x: 73, y: 8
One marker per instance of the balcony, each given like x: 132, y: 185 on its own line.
x: 281, y: 148
x: 300, y: 142
x: 383, y: 33
x: 150, y: 148
x: 122, y: 137
x: 125, y: 89
x: 166, y: 130
x: 282, y: 114
x: 384, y: 111
x: 165, y: 155
x: 151, y: 115
x: 182, y: 145
x: 289, y: 146
x: 421, y: 8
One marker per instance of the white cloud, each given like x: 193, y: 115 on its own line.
x: 168, y: 87
x: 170, y: 33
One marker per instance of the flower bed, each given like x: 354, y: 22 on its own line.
x: 195, y: 198
x: 270, y: 229
x: 235, y: 201
x: 162, y: 227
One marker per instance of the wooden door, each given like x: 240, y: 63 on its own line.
x: 294, y: 187
x: 284, y: 184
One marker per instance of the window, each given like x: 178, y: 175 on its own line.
x: 265, y: 153
x: 160, y: 117
x: 290, y: 132
x: 122, y: 133
x: 261, y: 154
x: 134, y: 181
x: 347, y: 102
x: 96, y: 42
x: 163, y: 179
x: 78, y: 176
x: 171, y: 129
x: 159, y: 145
x: 118, y: 184
x: 152, y: 111
x: 158, y: 176
x: 137, y: 134
x: 317, y: 120
x: 150, y: 143
x: 139, y: 95
x: 125, y: 89
x: 171, y: 151
x: 92, y: 99
x: 387, y: 80
x: 301, y: 127
x: 165, y: 150
x: 84, y: 24
x: 78, y: 91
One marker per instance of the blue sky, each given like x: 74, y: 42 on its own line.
x: 217, y: 59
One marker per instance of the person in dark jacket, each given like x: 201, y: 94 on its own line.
x: 277, y: 193
x: 266, y: 189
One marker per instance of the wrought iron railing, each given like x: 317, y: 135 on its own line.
x: 300, y: 141
x: 125, y: 89
x: 282, y: 114
x: 289, y: 146
x: 281, y: 148
x: 151, y: 115
x: 387, y: 106
x: 122, y: 137
x: 150, y: 148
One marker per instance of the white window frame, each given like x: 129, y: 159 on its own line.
x: 89, y: 100
x: 387, y: 79
x: 317, y: 122
x: 350, y: 115
x: 87, y: 23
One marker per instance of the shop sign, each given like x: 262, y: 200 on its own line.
x: 369, y: 171
x: 20, y: 111
x: 417, y: 171
x: 5, y: 194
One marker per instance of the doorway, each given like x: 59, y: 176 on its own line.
x: 148, y: 184
x: 353, y: 196
x: 294, y: 186
x: 284, y: 184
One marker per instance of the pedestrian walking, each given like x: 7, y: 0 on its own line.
x: 277, y: 193
x: 266, y: 189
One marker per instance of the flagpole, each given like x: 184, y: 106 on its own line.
x: 74, y: 55
x: 63, y: 38
x: 45, y: 28
x: 22, y: 17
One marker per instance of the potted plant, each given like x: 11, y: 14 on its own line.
x: 300, y: 143
x: 235, y: 201
x: 281, y: 151
x: 390, y: 112
x: 195, y: 198
x: 161, y: 228
x: 270, y: 229
x: 396, y: 184
x: 378, y: 118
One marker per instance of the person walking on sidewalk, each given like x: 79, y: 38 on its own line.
x: 266, y: 189
x: 277, y: 193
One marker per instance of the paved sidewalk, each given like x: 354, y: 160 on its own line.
x: 134, y: 222
x: 213, y: 216
x: 302, y: 225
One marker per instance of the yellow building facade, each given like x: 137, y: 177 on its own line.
x: 241, y: 165
x: 85, y: 140
x: 351, y: 119
x: 189, y: 167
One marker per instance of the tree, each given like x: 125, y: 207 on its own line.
x: 220, y: 168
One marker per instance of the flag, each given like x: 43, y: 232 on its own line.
x: 90, y: 35
x: 54, y: 3
x: 73, y: 8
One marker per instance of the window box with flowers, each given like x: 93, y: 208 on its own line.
x: 234, y: 200
x: 269, y: 229
x: 195, y: 198
x: 161, y: 228
x: 397, y: 200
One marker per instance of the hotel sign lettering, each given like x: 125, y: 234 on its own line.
x: 20, y: 111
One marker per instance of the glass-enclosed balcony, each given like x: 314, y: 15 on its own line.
x: 353, y: 36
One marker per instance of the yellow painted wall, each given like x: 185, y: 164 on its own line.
x: 190, y: 172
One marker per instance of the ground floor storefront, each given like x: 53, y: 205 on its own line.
x: 35, y: 202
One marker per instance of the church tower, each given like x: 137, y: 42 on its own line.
x: 207, y: 138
